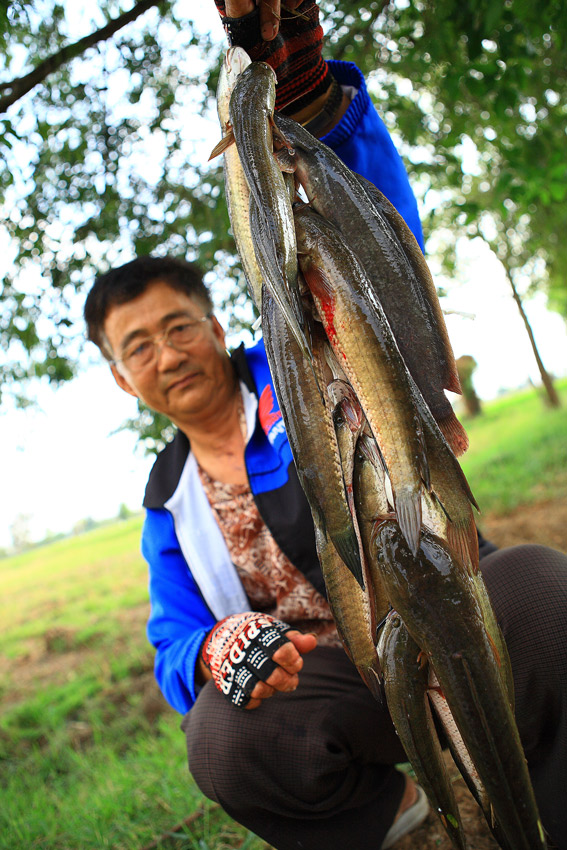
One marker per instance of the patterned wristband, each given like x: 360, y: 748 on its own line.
x: 238, y: 652
x: 294, y: 54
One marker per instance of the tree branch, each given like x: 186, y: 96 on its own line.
x: 22, y: 85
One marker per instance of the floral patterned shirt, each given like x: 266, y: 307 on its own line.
x: 271, y: 582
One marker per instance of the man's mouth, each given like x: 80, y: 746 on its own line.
x: 182, y: 382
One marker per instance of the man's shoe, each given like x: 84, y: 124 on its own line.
x: 408, y: 820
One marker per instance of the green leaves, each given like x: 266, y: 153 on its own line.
x: 97, y: 163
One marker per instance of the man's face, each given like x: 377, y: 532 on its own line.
x: 182, y: 384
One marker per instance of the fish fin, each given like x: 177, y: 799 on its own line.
x: 221, y: 146
x: 424, y: 471
x: 454, y: 433
x: 467, y: 489
x: 463, y: 540
x: 408, y: 511
x: 371, y: 678
x: 316, y: 280
x: 346, y: 544
x: 371, y: 451
x: 280, y: 138
x: 452, y: 380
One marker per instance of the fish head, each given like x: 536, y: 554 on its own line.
x: 257, y: 83
x: 346, y: 405
x: 235, y: 61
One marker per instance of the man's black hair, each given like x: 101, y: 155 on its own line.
x: 124, y: 283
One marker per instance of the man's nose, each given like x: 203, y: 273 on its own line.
x: 167, y: 356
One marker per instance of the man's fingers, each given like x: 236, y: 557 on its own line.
x: 262, y: 691
x: 284, y: 678
x: 304, y: 643
x: 288, y: 657
x: 269, y: 18
x: 238, y: 8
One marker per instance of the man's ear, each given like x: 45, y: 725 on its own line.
x: 218, y: 330
x: 122, y: 382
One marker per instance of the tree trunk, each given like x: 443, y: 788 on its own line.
x: 465, y: 367
x: 546, y: 378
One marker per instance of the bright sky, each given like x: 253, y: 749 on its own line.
x: 61, y: 463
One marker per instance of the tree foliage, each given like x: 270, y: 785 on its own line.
x: 478, y: 92
x: 96, y: 167
x: 96, y: 164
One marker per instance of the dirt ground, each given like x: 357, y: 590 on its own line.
x: 544, y: 522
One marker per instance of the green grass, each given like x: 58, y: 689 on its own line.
x: 90, y: 754
x: 518, y: 451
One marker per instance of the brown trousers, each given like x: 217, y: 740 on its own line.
x: 314, y: 769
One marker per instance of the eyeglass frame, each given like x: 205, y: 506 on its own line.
x: 158, y: 340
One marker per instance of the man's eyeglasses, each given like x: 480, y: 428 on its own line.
x: 143, y: 351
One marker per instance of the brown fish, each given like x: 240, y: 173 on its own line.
x: 310, y: 430
x: 394, y: 264
x: 437, y: 601
x: 362, y: 341
x: 406, y: 686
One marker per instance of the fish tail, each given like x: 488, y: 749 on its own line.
x: 462, y: 538
x: 408, y: 511
x: 454, y: 433
x: 346, y: 544
x: 371, y: 678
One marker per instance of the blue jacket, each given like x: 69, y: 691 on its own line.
x: 193, y: 582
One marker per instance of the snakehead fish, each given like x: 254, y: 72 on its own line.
x: 390, y: 255
x: 362, y: 341
x: 311, y: 435
x: 450, y: 488
x: 406, y: 685
x: 352, y: 611
x: 251, y: 112
x: 437, y: 601
x: 371, y: 504
x: 236, y: 185
x: 348, y: 421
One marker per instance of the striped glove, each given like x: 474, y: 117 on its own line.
x: 238, y: 652
x: 294, y: 54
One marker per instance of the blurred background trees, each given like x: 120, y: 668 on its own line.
x: 99, y: 159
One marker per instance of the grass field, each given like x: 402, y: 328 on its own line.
x: 518, y: 451
x: 90, y: 754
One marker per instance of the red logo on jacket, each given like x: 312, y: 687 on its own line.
x: 268, y: 416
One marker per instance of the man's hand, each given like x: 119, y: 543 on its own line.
x: 270, y: 13
x: 285, y: 677
x: 252, y: 656
x: 288, y: 36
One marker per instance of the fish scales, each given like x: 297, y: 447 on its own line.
x: 403, y: 285
x: 311, y: 435
x: 236, y: 185
x: 406, y: 686
x: 352, y: 612
x: 251, y: 115
x: 450, y: 486
x: 371, y: 504
x: 362, y: 340
x: 439, y: 606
